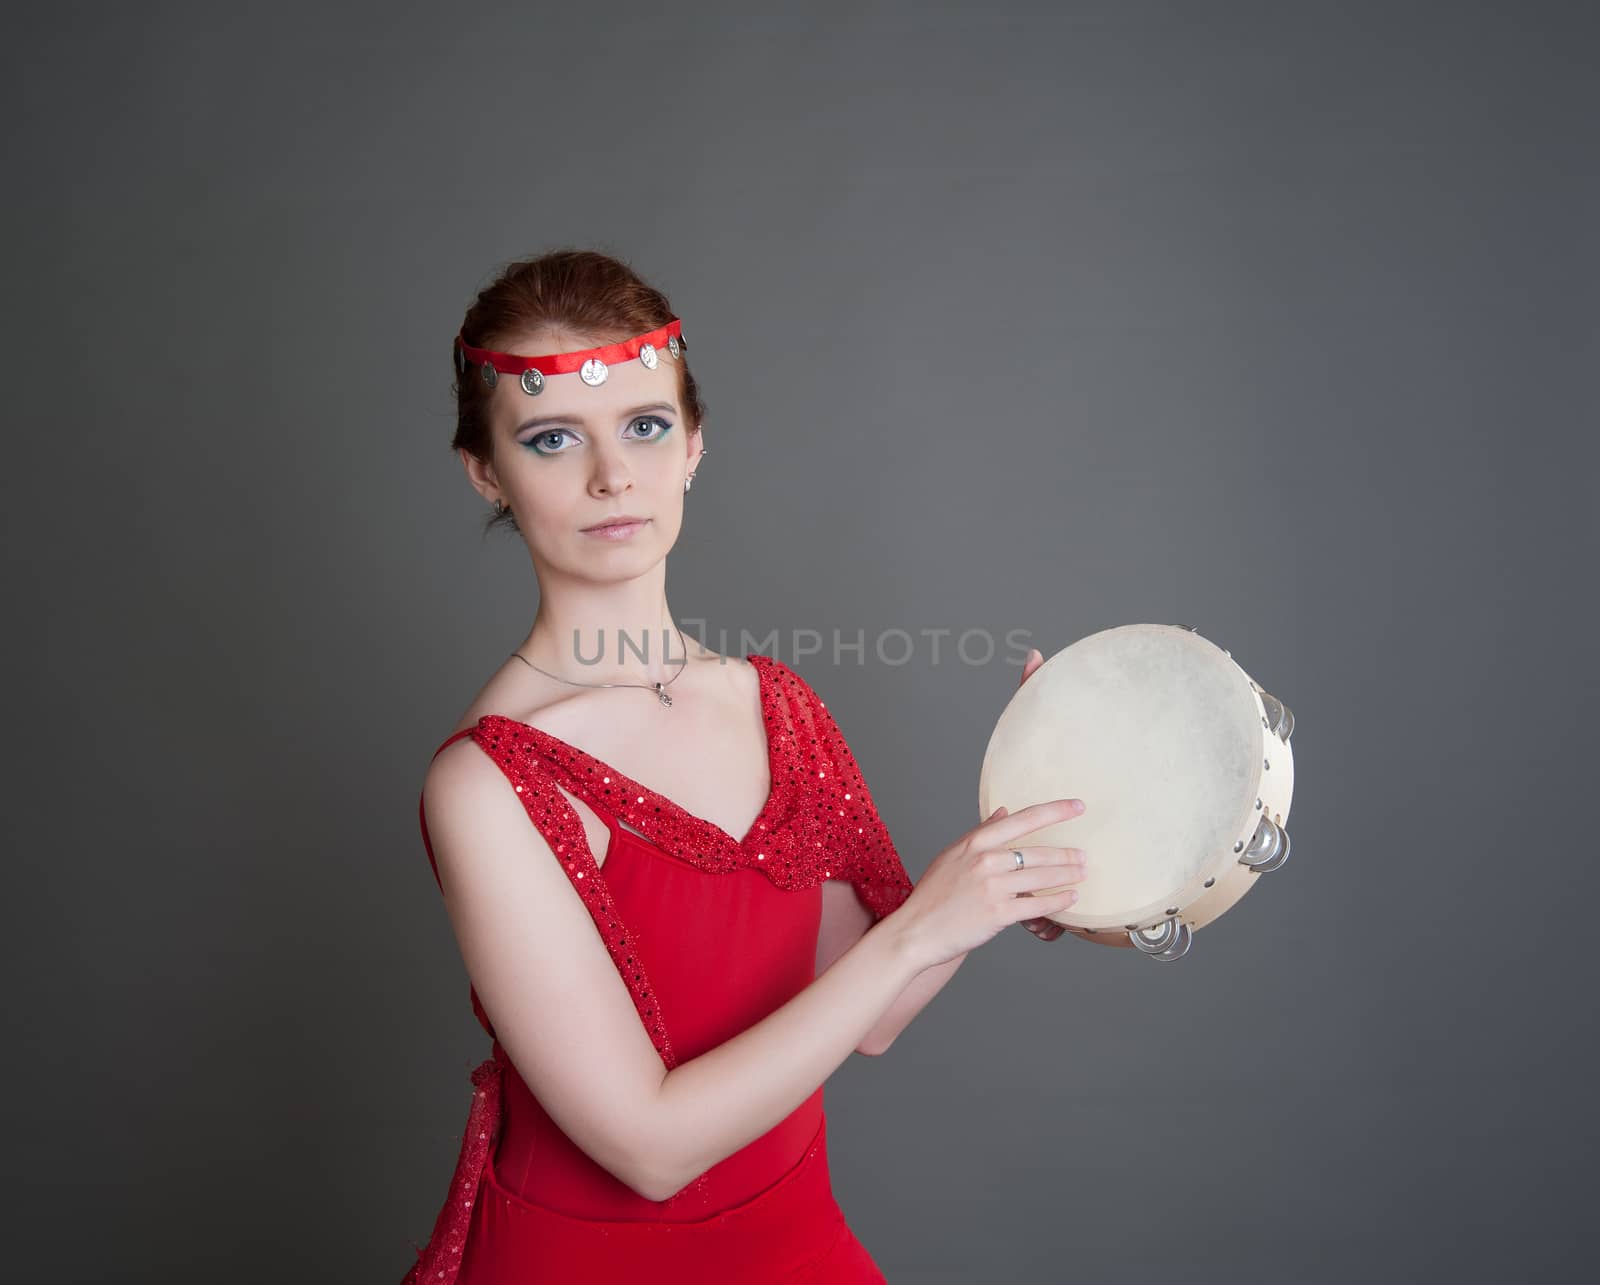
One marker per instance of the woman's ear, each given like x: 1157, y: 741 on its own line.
x: 481, y: 474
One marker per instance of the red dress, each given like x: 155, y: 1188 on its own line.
x: 677, y: 910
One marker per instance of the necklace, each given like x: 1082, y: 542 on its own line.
x: 660, y: 689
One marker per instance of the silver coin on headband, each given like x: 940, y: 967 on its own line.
x: 672, y: 344
x: 647, y: 355
x: 532, y: 382
x: 593, y: 372
x: 489, y: 374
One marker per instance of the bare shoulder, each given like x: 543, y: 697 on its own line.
x: 736, y: 672
x: 472, y: 809
x: 459, y: 772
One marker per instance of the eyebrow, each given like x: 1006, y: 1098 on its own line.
x: 541, y: 421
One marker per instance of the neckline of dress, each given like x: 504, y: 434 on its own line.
x: 763, y: 680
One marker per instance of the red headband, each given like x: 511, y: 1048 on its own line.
x: 590, y: 363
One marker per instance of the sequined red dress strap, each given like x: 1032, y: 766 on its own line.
x: 439, y: 1260
x: 839, y: 816
x: 560, y: 827
x: 554, y: 818
x: 819, y: 821
x: 612, y: 793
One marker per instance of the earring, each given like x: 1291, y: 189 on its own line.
x: 689, y: 481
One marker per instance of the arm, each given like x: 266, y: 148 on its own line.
x: 570, y: 1026
x: 911, y: 1001
x: 844, y: 920
x: 541, y: 970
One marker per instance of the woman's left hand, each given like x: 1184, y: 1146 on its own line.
x: 1043, y: 928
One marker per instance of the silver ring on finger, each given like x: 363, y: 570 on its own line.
x: 1018, y: 856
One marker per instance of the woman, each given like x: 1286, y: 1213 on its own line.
x: 665, y: 1000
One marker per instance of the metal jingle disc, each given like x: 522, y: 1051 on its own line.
x: 490, y: 374
x: 673, y: 346
x: 532, y: 382
x: 593, y: 372
x: 1276, y: 862
x: 1279, y: 720
x: 1179, y: 948
x: 1166, y: 937
x: 1267, y: 848
x: 647, y: 356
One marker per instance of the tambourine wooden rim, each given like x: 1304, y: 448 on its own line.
x: 1249, y: 840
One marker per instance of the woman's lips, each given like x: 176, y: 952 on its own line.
x: 617, y: 531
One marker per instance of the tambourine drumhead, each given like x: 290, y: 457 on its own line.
x: 1177, y: 754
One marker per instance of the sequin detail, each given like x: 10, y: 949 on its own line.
x: 818, y: 822
x: 440, y: 1259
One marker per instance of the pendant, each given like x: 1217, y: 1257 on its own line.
x: 661, y: 694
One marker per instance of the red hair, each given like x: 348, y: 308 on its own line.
x: 578, y: 291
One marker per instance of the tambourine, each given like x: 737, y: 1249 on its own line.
x: 1184, y: 767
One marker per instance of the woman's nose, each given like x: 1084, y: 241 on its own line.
x: 610, y: 473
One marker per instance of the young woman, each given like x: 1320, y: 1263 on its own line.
x: 676, y: 902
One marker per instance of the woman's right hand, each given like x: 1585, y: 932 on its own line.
x: 973, y: 888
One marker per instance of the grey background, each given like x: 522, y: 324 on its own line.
x: 1278, y: 320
